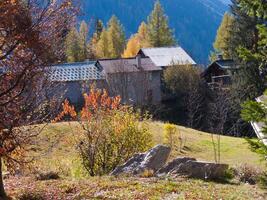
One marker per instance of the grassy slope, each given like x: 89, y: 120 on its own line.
x: 111, y: 188
x: 62, y: 156
x: 234, y: 151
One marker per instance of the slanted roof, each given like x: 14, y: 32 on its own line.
x: 226, y: 64
x: 165, y: 56
x: 127, y: 65
x: 81, y: 71
x: 220, y: 65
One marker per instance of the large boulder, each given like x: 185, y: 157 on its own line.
x: 192, y: 168
x: 153, y: 160
x: 173, y: 165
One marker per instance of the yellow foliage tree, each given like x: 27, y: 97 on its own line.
x: 142, y: 35
x: 102, y: 47
x: 137, y: 41
x: 171, y: 135
x: 132, y: 47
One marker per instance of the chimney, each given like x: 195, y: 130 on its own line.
x: 138, y: 61
x: 219, y: 57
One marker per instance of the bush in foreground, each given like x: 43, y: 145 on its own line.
x: 111, y: 132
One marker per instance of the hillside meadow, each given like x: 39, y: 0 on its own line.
x: 55, y: 150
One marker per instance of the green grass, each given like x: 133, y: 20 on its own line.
x: 234, y: 151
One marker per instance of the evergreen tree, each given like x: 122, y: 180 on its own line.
x: 252, y: 49
x: 116, y: 38
x: 159, y: 33
x: 244, y: 31
x: 99, y: 26
x: 247, y: 45
x: 83, y: 38
x: 72, y: 47
x: 222, y: 41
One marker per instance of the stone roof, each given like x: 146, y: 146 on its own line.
x: 127, y: 65
x: 165, y: 56
x: 226, y: 64
x: 80, y: 71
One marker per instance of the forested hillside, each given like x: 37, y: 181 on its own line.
x: 195, y: 21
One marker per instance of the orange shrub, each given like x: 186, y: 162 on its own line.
x: 111, y: 134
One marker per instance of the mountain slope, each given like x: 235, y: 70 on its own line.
x: 195, y: 21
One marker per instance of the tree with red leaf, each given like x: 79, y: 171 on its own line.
x: 31, y: 38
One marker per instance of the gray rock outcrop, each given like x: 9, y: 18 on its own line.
x: 153, y: 159
x: 173, y: 165
x: 192, y: 168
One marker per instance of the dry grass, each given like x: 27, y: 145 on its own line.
x: 55, y: 151
x: 131, y: 188
x: 57, y: 148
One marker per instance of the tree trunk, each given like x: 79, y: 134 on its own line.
x: 2, y: 190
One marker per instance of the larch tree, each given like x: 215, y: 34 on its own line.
x: 132, y: 47
x: 159, y: 32
x: 83, y: 39
x: 30, y: 39
x: 142, y: 35
x: 92, y: 45
x: 137, y: 41
x: 116, y: 38
x: 102, y: 46
x: 72, y: 46
x: 223, y: 37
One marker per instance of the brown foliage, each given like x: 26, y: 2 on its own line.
x: 31, y: 34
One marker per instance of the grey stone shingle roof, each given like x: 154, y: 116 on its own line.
x: 165, y: 56
x: 76, y: 72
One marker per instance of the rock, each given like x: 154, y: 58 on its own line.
x: 130, y: 165
x: 173, y: 165
x: 192, y: 168
x: 153, y: 159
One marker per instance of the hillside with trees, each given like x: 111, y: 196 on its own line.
x: 195, y: 21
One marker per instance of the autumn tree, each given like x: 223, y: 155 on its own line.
x: 111, y: 133
x: 132, y: 47
x: 112, y: 40
x: 76, y: 44
x: 92, y: 45
x: 83, y: 41
x: 137, y: 41
x: 116, y: 37
x: 102, y: 47
x: 221, y: 44
x: 30, y: 39
x: 159, y: 33
x: 72, y: 46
